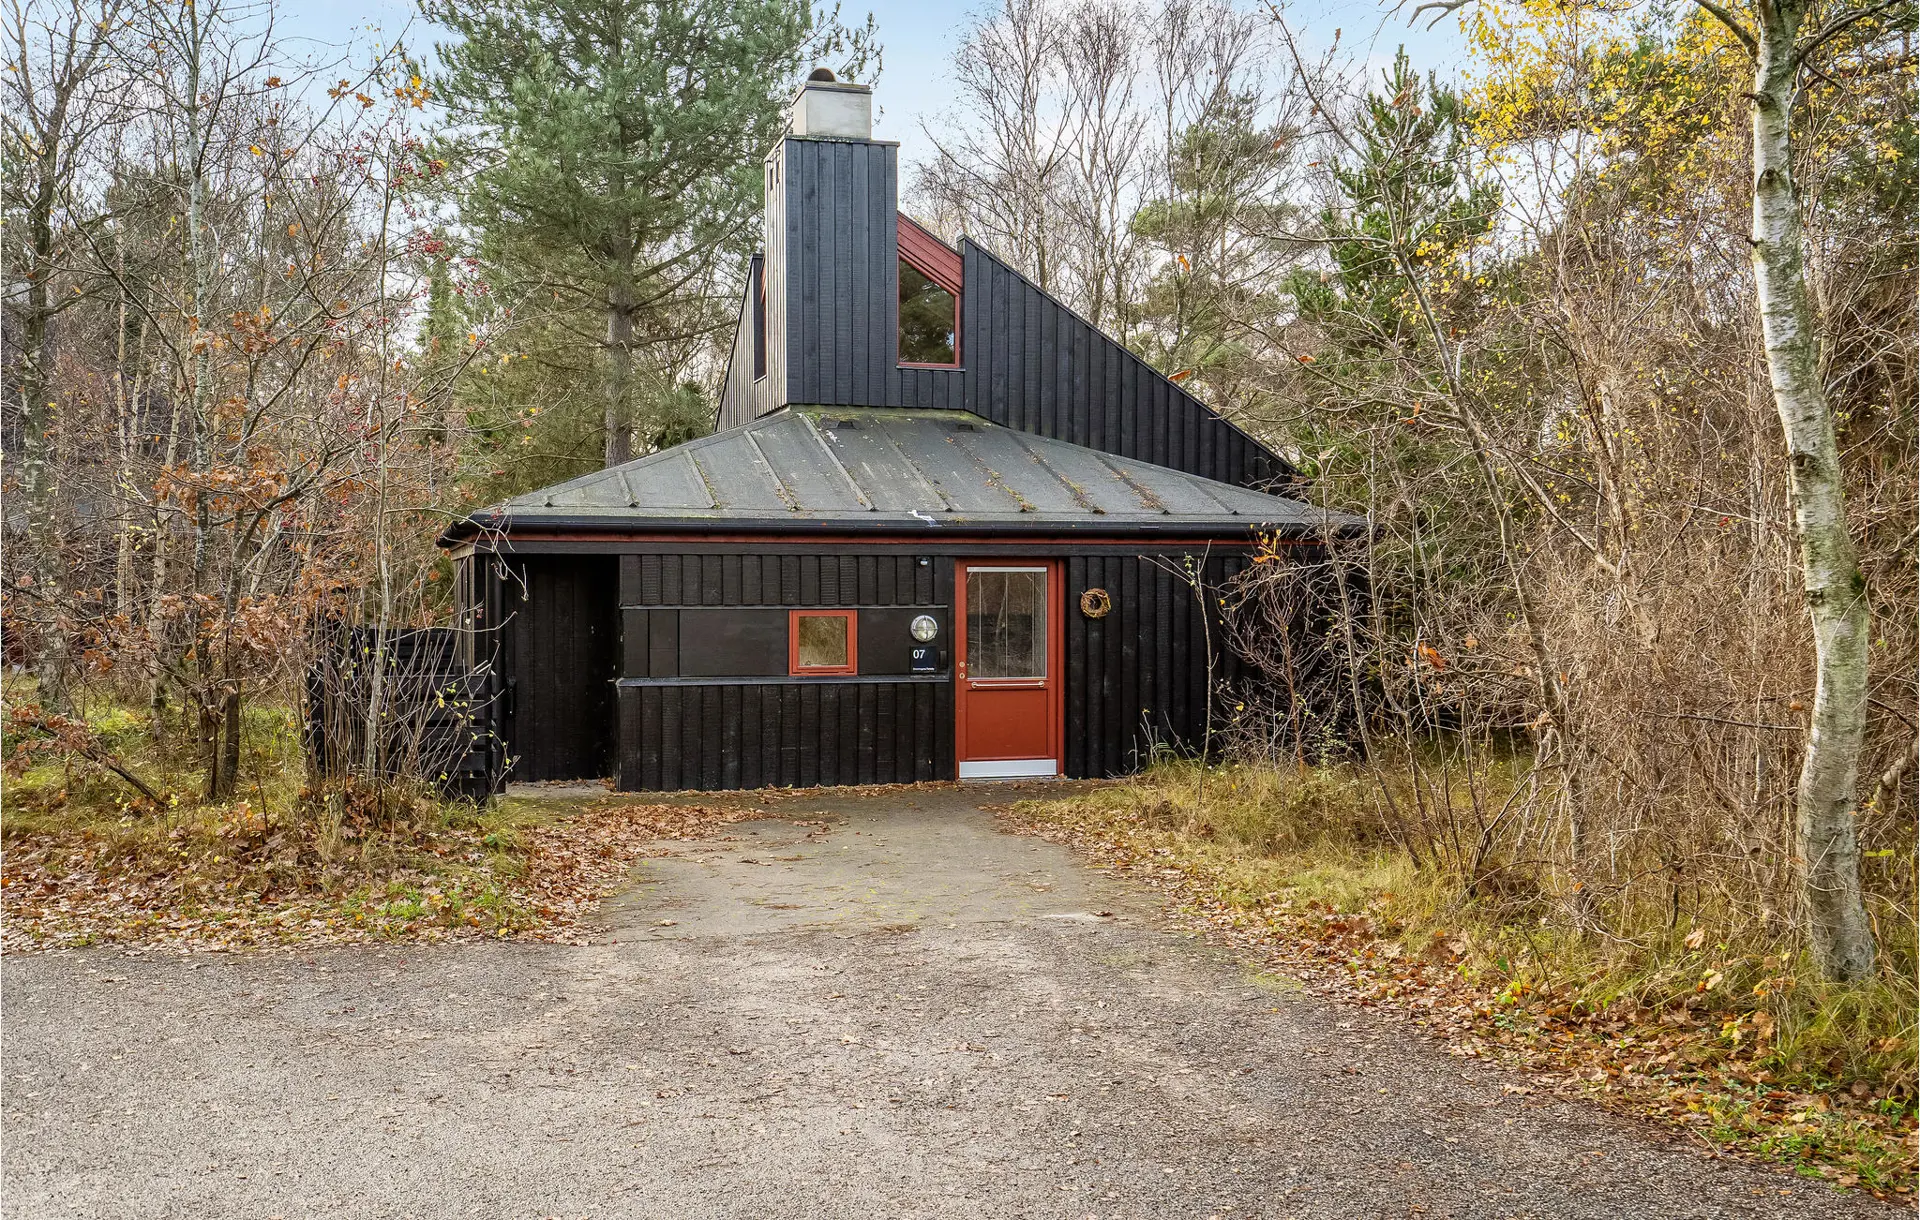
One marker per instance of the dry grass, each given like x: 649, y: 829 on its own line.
x: 86, y: 864
x: 1703, y: 1023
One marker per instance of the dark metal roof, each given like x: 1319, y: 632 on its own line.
x: 863, y: 468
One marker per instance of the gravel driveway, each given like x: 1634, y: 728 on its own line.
x: 909, y: 1014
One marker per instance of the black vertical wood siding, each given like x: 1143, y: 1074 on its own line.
x: 1135, y: 679
x: 783, y: 735
x: 1138, y: 677
x: 562, y: 644
x: 840, y: 276
x: 747, y: 732
x: 831, y: 265
x: 1035, y: 365
x: 933, y: 389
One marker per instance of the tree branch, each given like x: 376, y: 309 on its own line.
x: 1725, y: 17
x: 1837, y: 24
x: 1442, y: 10
x: 1891, y: 777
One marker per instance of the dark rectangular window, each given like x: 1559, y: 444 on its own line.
x: 929, y: 319
x: 822, y: 642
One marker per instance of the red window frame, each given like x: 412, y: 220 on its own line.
x: 797, y: 670
x: 933, y: 258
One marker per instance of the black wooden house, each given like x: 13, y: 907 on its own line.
x: 944, y: 529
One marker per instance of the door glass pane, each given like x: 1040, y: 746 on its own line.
x: 1007, y: 623
x: 823, y: 641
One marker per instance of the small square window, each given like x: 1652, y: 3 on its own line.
x: 822, y: 642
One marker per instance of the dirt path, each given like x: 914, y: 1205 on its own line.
x: 911, y: 1014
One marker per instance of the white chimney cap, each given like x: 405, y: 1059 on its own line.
x: 832, y: 109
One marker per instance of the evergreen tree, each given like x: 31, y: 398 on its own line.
x: 611, y: 155
x: 1220, y: 226
x: 1407, y: 204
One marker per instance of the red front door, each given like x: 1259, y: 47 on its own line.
x: 1008, y: 669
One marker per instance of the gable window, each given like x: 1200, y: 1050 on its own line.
x: 929, y: 299
x: 929, y: 320
x: 822, y: 642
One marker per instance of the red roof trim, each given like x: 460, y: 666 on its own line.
x: 930, y: 541
x: 935, y: 259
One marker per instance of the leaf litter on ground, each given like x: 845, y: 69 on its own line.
x: 537, y: 881
x: 1682, y: 1065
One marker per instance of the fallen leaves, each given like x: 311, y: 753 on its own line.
x: 542, y: 883
x: 1685, y: 1064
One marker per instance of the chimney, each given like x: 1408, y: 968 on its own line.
x: 826, y: 108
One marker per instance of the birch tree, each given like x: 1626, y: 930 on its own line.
x: 1781, y: 45
x: 1781, y: 39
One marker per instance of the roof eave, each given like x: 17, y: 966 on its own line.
x: 469, y: 529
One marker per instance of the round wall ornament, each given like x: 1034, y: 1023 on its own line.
x: 1095, y: 603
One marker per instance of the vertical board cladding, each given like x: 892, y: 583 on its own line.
x: 739, y: 392
x: 740, y: 721
x: 1035, y: 365
x: 562, y: 637
x: 933, y: 389
x: 697, y: 710
x: 1138, y: 678
x: 831, y: 277
x: 839, y: 274
x: 785, y: 735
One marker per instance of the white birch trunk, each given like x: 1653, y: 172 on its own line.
x: 1827, y: 847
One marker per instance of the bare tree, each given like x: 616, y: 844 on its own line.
x: 58, y: 100
x: 264, y: 299
x: 999, y: 160
x: 1101, y: 69
x: 1781, y: 47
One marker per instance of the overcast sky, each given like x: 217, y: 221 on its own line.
x: 918, y: 40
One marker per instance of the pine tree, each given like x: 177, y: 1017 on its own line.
x: 1405, y: 203
x: 611, y: 153
x: 1221, y: 226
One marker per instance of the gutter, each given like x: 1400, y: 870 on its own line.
x: 465, y: 531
